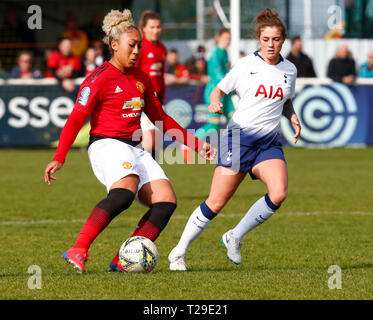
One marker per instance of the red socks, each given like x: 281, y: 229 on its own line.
x: 146, y: 229
x: 96, y: 222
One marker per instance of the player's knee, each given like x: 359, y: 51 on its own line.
x: 117, y: 200
x: 278, y: 196
x: 216, y: 205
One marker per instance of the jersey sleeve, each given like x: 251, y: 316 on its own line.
x: 230, y: 81
x: 88, y: 98
x: 69, y: 132
x: 153, y: 109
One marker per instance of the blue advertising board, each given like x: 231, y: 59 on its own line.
x: 331, y: 115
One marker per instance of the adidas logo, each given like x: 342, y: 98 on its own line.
x: 117, y: 90
x: 150, y: 55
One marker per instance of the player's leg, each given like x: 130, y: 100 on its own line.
x: 161, y: 199
x: 114, y: 164
x: 155, y: 192
x: 224, y: 183
x: 273, y: 173
x: 119, y: 198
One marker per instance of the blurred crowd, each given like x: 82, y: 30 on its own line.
x: 80, y: 50
x: 341, y: 68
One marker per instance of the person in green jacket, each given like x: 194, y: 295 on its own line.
x: 217, y: 67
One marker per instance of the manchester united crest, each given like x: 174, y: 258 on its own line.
x: 140, y: 86
x: 127, y: 165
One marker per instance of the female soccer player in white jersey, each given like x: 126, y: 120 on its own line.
x: 265, y: 83
x: 114, y: 96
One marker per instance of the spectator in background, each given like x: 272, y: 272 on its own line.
x: 151, y: 60
x: 24, y: 69
x: 366, y: 70
x: 79, y: 39
x: 176, y: 73
x: 63, y: 65
x: 217, y: 67
x: 89, y: 65
x: 342, y: 67
x: 301, y: 60
x: 197, y: 66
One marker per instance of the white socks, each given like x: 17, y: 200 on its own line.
x: 259, y: 212
x: 198, y: 221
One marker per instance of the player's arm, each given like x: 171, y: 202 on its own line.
x: 215, y: 97
x: 84, y: 105
x: 289, y: 112
x: 164, y: 122
x: 68, y: 135
x: 225, y: 86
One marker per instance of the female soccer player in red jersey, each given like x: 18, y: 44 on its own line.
x: 114, y: 96
x: 152, y: 61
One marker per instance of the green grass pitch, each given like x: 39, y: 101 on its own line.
x: 326, y: 220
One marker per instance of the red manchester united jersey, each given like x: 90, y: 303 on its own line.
x: 115, y: 101
x: 152, y: 61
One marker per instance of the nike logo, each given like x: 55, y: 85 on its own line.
x: 253, y: 73
x: 199, y: 219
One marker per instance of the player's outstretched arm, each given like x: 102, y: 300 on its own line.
x: 215, y: 98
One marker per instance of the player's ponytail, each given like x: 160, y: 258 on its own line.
x: 115, y: 23
x: 268, y: 18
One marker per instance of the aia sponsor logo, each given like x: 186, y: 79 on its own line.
x: 270, y: 92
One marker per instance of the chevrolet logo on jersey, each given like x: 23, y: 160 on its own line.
x: 136, y: 104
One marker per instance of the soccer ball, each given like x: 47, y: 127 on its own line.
x: 138, y: 254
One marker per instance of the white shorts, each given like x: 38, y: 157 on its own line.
x: 146, y: 124
x: 112, y: 160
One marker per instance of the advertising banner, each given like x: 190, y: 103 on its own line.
x: 331, y: 115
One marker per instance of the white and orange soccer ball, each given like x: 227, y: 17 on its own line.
x: 138, y: 254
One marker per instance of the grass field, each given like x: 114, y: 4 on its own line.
x: 326, y: 220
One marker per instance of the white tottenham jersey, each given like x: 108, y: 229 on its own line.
x: 263, y: 89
